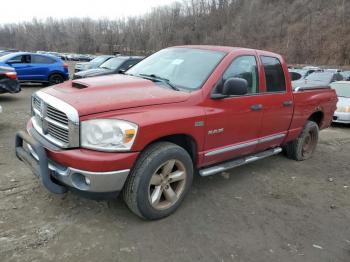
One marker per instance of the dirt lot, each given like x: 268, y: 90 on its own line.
x: 273, y: 210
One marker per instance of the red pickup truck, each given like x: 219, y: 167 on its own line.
x: 182, y: 111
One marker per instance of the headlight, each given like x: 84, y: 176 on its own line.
x: 108, y: 134
x: 345, y: 109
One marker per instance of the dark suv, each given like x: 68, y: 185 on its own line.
x: 114, y: 65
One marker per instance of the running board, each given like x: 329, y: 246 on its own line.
x: 239, y: 162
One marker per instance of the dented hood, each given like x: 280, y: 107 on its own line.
x: 114, y: 92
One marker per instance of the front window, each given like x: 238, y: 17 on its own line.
x: 342, y: 89
x: 113, y: 63
x: 244, y: 67
x: 184, y: 68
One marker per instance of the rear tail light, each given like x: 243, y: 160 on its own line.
x: 65, y: 66
x: 12, y: 75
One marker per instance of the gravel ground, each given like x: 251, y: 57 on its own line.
x: 272, y: 210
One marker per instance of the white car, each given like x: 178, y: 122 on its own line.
x: 342, y: 114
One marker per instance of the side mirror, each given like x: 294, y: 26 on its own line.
x: 121, y: 71
x: 235, y: 87
x: 232, y: 87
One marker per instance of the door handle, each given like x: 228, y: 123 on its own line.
x: 288, y: 103
x: 256, y: 107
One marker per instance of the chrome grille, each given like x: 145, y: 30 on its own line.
x: 36, y: 103
x: 58, y: 132
x: 56, y: 120
x: 56, y: 115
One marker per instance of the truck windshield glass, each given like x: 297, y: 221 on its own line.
x: 342, y: 90
x: 184, y: 68
x: 113, y: 63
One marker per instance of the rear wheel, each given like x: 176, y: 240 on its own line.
x: 55, y: 79
x: 159, y: 181
x: 304, y: 146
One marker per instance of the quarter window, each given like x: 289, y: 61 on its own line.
x: 38, y: 59
x: 274, y: 75
x: 244, y: 67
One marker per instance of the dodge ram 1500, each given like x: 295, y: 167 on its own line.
x: 182, y: 111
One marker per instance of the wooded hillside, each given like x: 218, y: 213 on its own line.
x: 304, y: 31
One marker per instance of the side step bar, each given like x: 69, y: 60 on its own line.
x: 239, y: 162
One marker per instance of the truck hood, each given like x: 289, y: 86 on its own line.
x: 114, y: 92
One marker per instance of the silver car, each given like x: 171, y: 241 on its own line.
x: 342, y: 114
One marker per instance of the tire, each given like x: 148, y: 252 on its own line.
x: 55, y: 79
x: 148, y: 191
x: 304, y: 146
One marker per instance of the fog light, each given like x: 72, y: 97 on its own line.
x: 80, y: 181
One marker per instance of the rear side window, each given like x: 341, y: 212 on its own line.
x: 244, y: 67
x: 274, y: 75
x: 38, y: 59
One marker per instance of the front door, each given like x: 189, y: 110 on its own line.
x: 22, y: 66
x: 233, y: 123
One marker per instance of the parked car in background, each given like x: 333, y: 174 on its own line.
x: 297, y: 74
x: 39, y: 68
x: 4, y: 53
x: 7, y: 51
x: 318, y: 79
x: 342, y: 114
x: 314, y: 68
x: 346, y: 75
x: 181, y: 111
x: 114, y: 65
x: 8, y: 80
x: 333, y: 70
x: 96, y: 62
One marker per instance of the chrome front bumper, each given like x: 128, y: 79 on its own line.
x: 94, y: 182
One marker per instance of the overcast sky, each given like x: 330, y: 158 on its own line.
x: 25, y: 10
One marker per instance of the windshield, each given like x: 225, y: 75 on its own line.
x: 113, y: 63
x: 342, y: 89
x: 323, y: 77
x: 183, y: 68
x: 99, y: 59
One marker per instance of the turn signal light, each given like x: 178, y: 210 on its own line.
x: 65, y: 66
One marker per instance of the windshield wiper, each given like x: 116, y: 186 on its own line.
x: 160, y: 79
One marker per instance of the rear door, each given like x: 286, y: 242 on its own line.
x: 277, y: 102
x: 40, y: 67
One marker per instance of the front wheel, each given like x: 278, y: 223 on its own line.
x: 304, y: 146
x: 159, y: 181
